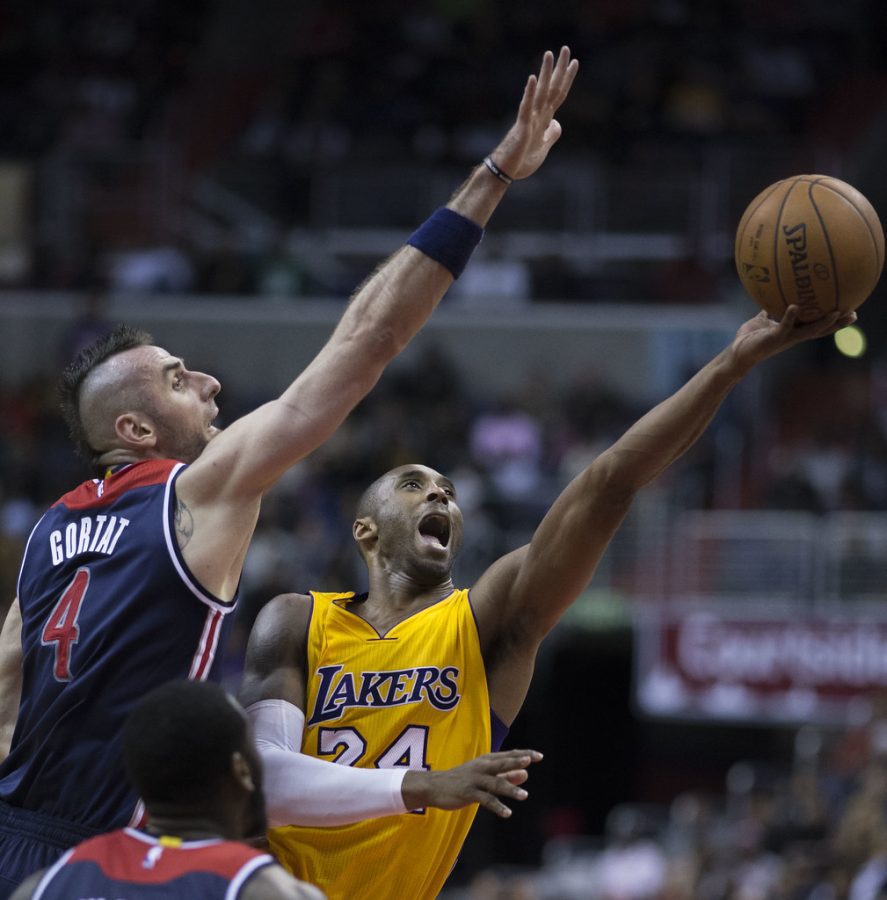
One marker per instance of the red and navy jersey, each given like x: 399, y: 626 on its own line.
x: 109, y: 610
x: 133, y: 865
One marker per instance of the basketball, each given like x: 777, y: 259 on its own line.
x: 809, y: 240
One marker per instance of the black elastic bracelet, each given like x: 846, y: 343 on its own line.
x: 507, y: 179
x: 447, y: 238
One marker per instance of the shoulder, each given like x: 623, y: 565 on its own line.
x: 272, y: 882
x: 490, y: 596
x: 98, y: 492
x: 284, y: 611
x: 277, y: 644
x: 103, y: 846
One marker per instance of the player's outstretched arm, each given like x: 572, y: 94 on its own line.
x: 522, y: 596
x: 386, y: 311
x: 10, y: 675
x: 302, y: 790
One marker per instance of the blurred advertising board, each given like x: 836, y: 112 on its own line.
x: 779, y: 668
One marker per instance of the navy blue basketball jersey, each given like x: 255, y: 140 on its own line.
x: 109, y: 610
x: 134, y: 865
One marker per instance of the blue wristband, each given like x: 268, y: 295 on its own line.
x: 447, y: 238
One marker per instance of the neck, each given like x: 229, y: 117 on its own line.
x: 399, y: 591
x: 117, y: 457
x: 191, y: 828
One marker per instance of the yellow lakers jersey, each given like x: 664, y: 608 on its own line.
x: 415, y: 697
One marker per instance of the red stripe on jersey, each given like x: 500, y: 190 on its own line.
x: 146, y: 861
x: 101, y: 492
x: 206, y: 651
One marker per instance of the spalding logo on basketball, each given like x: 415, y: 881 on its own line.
x: 811, y: 240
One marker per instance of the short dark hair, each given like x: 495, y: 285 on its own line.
x: 121, y: 338
x: 369, y: 501
x: 179, y: 740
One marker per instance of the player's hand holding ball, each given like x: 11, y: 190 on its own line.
x: 810, y: 241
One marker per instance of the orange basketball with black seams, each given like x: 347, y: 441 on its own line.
x: 810, y: 240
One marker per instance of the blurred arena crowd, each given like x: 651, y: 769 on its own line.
x: 190, y: 148
x: 812, y: 828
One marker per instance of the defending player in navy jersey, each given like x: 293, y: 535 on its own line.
x: 190, y: 752
x: 420, y: 672
x: 127, y: 580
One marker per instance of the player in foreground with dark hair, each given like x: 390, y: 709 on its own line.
x: 126, y: 580
x: 417, y: 673
x: 190, y: 754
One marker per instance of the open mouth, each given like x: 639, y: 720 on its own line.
x: 436, y: 527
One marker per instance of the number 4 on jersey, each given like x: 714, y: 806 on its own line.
x: 61, y: 628
x: 408, y: 751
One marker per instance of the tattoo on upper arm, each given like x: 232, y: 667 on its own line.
x: 184, y: 522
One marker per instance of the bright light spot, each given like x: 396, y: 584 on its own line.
x: 850, y: 341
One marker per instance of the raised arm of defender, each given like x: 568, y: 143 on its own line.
x: 522, y: 596
x: 385, y: 313
x: 222, y: 489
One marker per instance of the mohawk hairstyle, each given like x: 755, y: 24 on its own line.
x: 121, y: 338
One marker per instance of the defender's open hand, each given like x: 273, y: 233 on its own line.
x: 536, y: 130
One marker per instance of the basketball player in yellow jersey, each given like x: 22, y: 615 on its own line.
x: 386, y: 699
x: 417, y: 674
